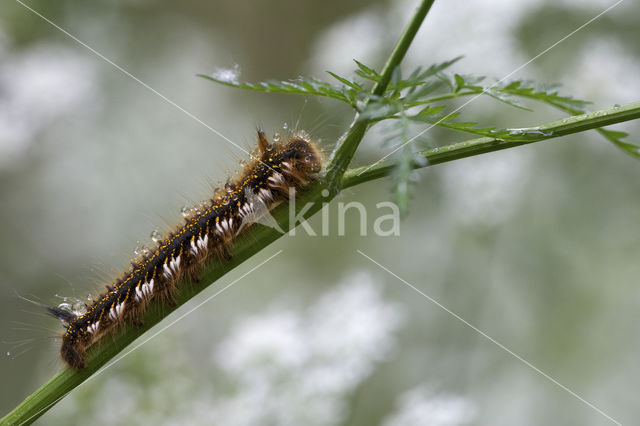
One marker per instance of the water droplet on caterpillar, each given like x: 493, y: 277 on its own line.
x: 285, y: 126
x: 304, y: 135
x: 276, y: 137
x: 186, y: 211
x: 76, y: 307
x: 156, y: 237
x: 79, y: 308
x: 65, y: 306
x: 140, y: 249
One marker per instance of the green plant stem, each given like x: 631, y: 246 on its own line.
x: 249, y: 243
x: 554, y: 129
x: 63, y: 382
x: 259, y: 237
x: 348, y: 143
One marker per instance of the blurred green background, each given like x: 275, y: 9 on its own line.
x: 537, y: 246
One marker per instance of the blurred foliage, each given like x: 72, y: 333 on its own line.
x: 536, y: 246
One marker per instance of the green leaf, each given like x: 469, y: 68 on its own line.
x: 376, y: 111
x: 616, y: 137
x: 419, y: 77
x: 302, y: 85
x: 346, y: 82
x: 402, y: 179
x: 459, y: 80
x: 507, y: 98
x: 548, y: 94
x: 367, y: 72
x: 401, y: 176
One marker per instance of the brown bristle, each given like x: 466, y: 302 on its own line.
x: 206, y: 234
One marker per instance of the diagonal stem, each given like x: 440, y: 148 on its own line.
x: 348, y: 143
x: 469, y: 148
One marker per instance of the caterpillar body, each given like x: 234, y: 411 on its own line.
x: 206, y: 234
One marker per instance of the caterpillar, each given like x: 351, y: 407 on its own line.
x: 206, y: 234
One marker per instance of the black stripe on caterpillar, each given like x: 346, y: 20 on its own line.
x: 206, y: 234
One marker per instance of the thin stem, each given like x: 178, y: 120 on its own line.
x: 249, y: 243
x: 402, y: 46
x: 554, y: 129
x: 348, y: 143
x: 63, y: 382
x: 259, y: 237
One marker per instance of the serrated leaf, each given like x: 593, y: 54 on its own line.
x: 436, y: 68
x: 419, y: 77
x: 548, y: 94
x: 303, y: 85
x: 376, y: 111
x: 616, y: 136
x: 506, y: 98
x: 459, y: 80
x: 366, y: 72
x: 431, y: 110
x: 402, y: 177
x: 346, y: 82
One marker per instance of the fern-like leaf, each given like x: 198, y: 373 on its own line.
x: 302, y: 86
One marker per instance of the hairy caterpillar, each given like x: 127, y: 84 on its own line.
x: 206, y: 234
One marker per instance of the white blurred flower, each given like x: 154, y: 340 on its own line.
x: 485, y: 190
x: 608, y: 72
x: 348, y: 39
x: 270, y: 340
x: 38, y: 86
x: 350, y: 328
x: 287, y: 368
x: 422, y: 406
x: 445, y: 35
x: 316, y: 359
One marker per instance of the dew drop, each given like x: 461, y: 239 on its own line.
x: 65, y: 306
x: 285, y: 126
x: 140, y: 249
x: 304, y: 135
x: 276, y: 137
x: 8, y: 353
x: 185, y: 211
x: 155, y: 236
x: 227, y: 75
x: 77, y: 308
